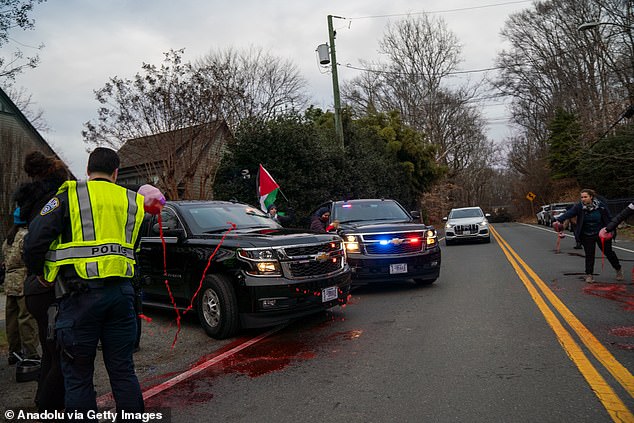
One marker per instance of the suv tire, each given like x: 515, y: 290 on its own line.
x: 217, y: 307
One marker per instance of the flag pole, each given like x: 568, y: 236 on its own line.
x: 280, y: 190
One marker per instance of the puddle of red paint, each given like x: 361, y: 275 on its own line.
x: 268, y: 356
x: 614, y: 292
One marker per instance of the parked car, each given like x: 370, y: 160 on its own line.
x: 467, y: 223
x: 541, y: 215
x: 384, y: 242
x: 261, y: 274
x: 555, y: 210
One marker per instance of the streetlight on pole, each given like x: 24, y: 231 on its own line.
x: 322, y: 51
x: 591, y: 25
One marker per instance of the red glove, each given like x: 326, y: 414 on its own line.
x: 558, y: 226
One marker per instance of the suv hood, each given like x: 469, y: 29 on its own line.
x: 255, y: 238
x: 380, y: 226
x: 465, y: 221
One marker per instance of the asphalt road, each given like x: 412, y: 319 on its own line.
x: 517, y: 338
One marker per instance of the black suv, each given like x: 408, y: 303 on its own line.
x: 261, y: 274
x: 385, y: 242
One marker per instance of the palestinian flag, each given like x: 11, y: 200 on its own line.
x: 267, y: 189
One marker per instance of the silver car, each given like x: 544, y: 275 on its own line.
x: 467, y: 223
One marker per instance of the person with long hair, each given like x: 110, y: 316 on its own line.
x: 47, y: 174
x: 592, y: 215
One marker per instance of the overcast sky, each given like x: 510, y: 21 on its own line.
x: 89, y: 41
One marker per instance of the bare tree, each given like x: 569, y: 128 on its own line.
x: 551, y: 66
x: 421, y: 54
x: 260, y: 83
x: 14, y: 14
x: 171, y: 114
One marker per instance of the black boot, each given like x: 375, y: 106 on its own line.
x: 578, y: 246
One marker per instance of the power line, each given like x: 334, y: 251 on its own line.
x: 439, y: 11
x: 422, y: 74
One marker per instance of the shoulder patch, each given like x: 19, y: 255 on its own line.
x: 52, y: 204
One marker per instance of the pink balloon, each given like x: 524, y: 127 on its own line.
x: 153, y: 199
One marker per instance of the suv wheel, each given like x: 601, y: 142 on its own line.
x: 217, y: 307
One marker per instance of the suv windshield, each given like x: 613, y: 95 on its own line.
x: 362, y: 211
x: 205, y: 218
x: 464, y: 213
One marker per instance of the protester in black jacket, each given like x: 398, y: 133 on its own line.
x: 47, y: 174
x: 592, y: 215
x: 319, y: 220
x: 624, y: 214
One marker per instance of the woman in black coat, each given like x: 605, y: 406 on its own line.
x: 47, y: 174
x: 592, y: 215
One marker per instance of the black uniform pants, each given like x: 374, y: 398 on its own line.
x: 590, y: 243
x: 105, y: 312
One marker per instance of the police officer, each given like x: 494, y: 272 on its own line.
x: 83, y: 240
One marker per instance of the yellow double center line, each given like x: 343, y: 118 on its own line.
x: 610, y: 400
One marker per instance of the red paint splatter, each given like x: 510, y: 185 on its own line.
x: 614, y: 292
x: 629, y: 347
x: 623, y: 331
x: 270, y: 355
x: 167, y: 285
x: 602, y: 252
x: 232, y: 226
x: 144, y: 317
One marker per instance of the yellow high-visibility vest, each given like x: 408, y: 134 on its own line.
x: 105, y: 220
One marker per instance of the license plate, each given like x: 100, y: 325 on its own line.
x: 328, y: 294
x: 466, y: 232
x: 398, y: 268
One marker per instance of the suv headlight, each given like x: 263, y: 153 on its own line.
x: 263, y: 262
x: 483, y: 223
x: 431, y: 237
x: 351, y: 243
x: 449, y: 226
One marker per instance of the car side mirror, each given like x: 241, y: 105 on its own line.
x: 444, y: 219
x: 487, y: 215
x: 415, y: 214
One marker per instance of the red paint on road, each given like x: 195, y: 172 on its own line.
x: 623, y: 331
x: 614, y: 292
x: 268, y: 356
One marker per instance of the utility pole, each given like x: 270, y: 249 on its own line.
x: 335, y: 81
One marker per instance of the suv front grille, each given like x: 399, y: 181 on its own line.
x: 313, y: 268
x: 376, y: 248
x: 312, y: 260
x: 398, y: 243
x: 460, y: 229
